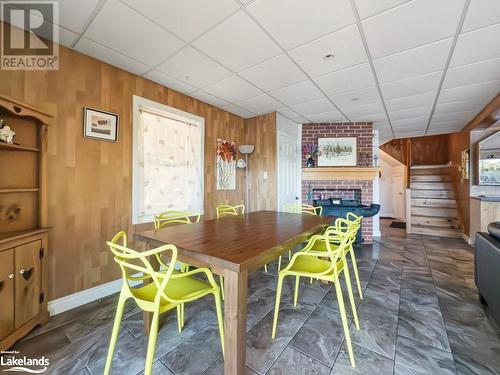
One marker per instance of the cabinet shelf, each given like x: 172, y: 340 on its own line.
x: 4, y: 191
x: 12, y: 147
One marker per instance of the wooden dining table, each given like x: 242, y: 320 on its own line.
x: 233, y: 246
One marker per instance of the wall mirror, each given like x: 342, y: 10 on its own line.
x: 488, y: 156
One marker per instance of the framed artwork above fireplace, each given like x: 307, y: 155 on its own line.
x: 337, y: 152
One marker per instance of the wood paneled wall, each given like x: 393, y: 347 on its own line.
x: 261, y: 132
x: 90, y: 181
x: 432, y: 149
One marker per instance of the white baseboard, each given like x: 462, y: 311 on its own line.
x: 386, y: 214
x: 66, y: 303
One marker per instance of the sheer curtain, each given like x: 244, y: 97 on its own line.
x: 170, y: 163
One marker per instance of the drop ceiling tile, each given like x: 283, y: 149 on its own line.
x: 187, y: 18
x: 232, y: 89
x: 237, y: 43
x: 74, y: 14
x: 170, y: 82
x: 294, y: 22
x: 411, y: 123
x: 356, y: 98
x: 446, y: 125
x: 312, y: 107
x: 350, y: 79
x: 209, y: 98
x: 130, y: 40
x: 417, y: 61
x: 194, y: 68
x: 367, y: 8
x: 410, y: 113
x: 364, y: 110
x: 345, y: 46
x: 275, y: 73
x: 377, y: 117
x: 330, y: 116
x: 453, y: 129
x: 260, y: 104
x: 97, y: 51
x: 410, y: 133
x: 470, y: 105
x: 297, y: 93
x: 411, y: 25
x: 463, y: 117
x: 238, y: 111
x: 411, y: 86
x: 481, y: 91
x: 413, y: 101
x: 481, y: 13
x: 488, y: 70
x: 294, y: 116
x: 477, y: 45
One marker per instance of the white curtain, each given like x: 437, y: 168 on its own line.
x: 169, y: 167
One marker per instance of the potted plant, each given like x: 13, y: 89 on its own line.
x: 311, y: 153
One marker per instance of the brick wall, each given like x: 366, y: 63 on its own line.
x: 346, y: 189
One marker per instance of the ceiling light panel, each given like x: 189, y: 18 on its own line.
x: 295, y: 22
x: 237, y: 43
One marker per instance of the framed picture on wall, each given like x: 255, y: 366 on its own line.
x: 100, y: 125
x: 337, y: 152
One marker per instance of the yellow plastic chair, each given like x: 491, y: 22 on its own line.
x: 344, y: 227
x: 176, y: 217
x: 166, y: 289
x: 306, y: 263
x: 226, y: 210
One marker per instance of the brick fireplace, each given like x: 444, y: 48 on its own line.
x: 335, y: 188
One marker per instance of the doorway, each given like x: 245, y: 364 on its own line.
x: 289, y: 172
x: 398, y: 189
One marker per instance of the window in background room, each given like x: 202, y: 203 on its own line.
x: 168, y: 161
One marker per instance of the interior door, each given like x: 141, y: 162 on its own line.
x: 399, y: 198
x: 28, y: 276
x: 6, y: 292
x: 289, y: 178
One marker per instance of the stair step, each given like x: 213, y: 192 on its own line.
x: 433, y: 202
x: 430, y: 178
x: 431, y: 185
x: 432, y: 194
x: 435, y: 212
x: 440, y: 222
x: 438, y: 232
x: 429, y: 170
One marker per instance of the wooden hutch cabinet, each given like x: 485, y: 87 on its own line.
x: 23, y: 221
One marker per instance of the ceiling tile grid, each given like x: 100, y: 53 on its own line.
x: 342, y: 60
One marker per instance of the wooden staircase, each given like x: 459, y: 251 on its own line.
x: 433, y: 205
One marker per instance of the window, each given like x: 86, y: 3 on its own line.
x: 168, y: 161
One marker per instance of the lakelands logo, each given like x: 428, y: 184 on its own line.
x: 12, y: 362
x: 30, y: 37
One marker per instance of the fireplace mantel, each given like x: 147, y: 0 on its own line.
x: 339, y: 173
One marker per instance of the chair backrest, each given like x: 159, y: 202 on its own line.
x: 337, y: 253
x: 226, y: 210
x: 302, y: 209
x: 353, y: 217
x: 171, y: 217
x: 132, y: 262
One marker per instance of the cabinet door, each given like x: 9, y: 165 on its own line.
x: 28, y: 278
x: 6, y: 292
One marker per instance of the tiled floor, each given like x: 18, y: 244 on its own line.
x: 420, y: 315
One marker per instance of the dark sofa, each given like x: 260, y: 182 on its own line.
x: 487, y: 270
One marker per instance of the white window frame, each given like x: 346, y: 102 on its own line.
x: 176, y: 114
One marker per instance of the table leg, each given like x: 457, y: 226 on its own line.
x: 235, y: 322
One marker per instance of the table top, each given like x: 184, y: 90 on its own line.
x: 239, y: 242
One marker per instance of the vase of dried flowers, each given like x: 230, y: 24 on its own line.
x: 311, y: 153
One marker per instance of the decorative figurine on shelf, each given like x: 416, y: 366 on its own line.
x: 311, y: 152
x: 6, y: 133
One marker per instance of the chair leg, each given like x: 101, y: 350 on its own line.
x: 153, y: 334
x: 179, y: 317
x: 343, y: 317
x: 182, y: 315
x: 220, y: 321
x: 277, y: 305
x: 221, y: 286
x: 289, y: 254
x: 296, y: 293
x: 279, y: 264
x: 265, y: 268
x: 356, y: 275
x: 351, y: 296
x: 114, y: 334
